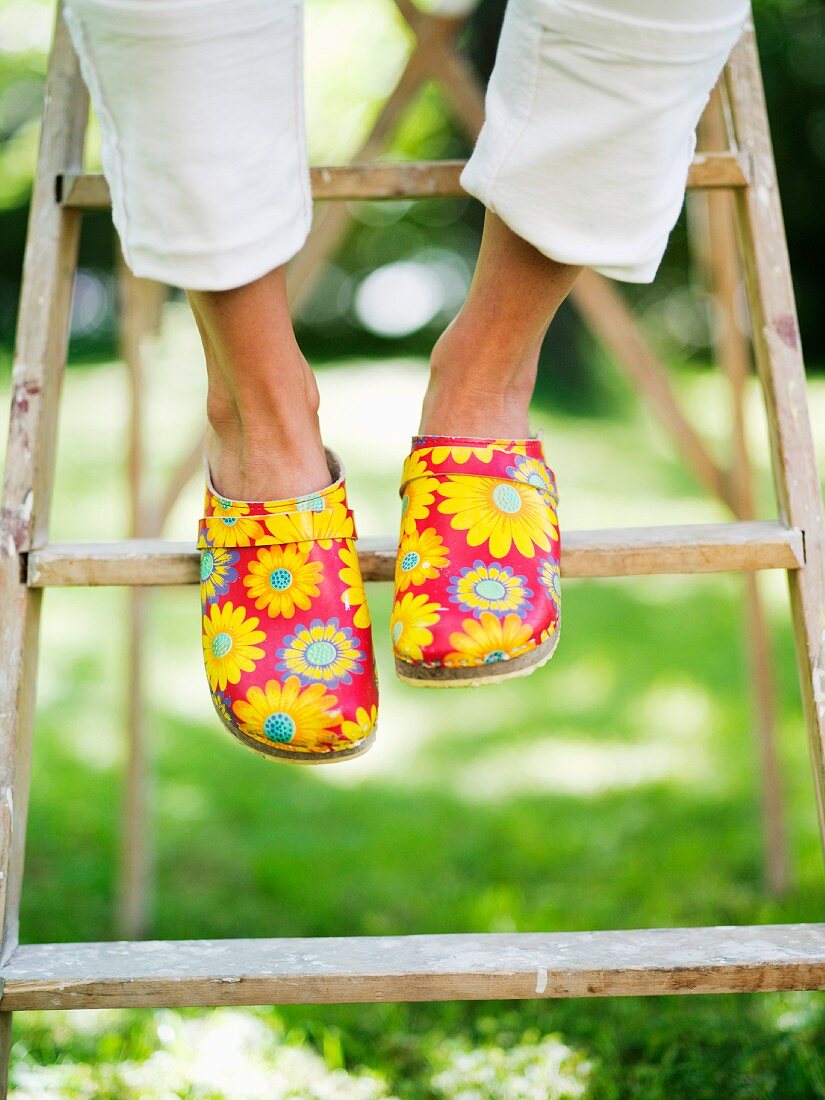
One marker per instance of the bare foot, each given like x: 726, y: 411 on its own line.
x: 273, y: 450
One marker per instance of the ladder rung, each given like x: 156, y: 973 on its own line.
x: 487, y: 966
x: 613, y: 552
x: 414, y: 180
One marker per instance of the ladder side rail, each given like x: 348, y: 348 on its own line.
x: 40, y: 352
x: 779, y: 362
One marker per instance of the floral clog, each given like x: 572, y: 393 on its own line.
x: 287, y: 643
x: 477, y: 583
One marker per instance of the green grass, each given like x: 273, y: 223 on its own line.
x: 618, y: 788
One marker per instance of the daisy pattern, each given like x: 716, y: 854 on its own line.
x: 419, y: 494
x: 281, y: 579
x: 287, y: 714
x: 411, y: 618
x: 230, y: 644
x: 490, y: 587
x: 312, y: 502
x: 355, y: 595
x: 364, y: 724
x: 532, y: 471
x: 489, y: 640
x: 223, y: 705
x: 217, y: 572
x: 500, y: 513
x: 232, y: 530
x: 323, y: 652
x: 421, y: 556
x: 332, y: 521
x: 460, y: 455
x: 550, y: 577
x: 223, y: 506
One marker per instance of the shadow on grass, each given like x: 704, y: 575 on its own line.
x: 245, y: 848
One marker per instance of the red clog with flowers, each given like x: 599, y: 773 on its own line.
x: 477, y: 582
x: 287, y: 642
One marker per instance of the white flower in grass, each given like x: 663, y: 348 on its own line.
x: 544, y: 1070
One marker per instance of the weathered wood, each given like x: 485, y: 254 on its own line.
x: 779, y: 362
x: 385, y: 180
x: 612, y: 552
x: 39, y: 356
x: 716, y: 247
x: 138, y: 309
x: 483, y: 966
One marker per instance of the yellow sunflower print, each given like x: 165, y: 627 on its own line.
x: 421, y: 556
x: 460, y: 455
x: 281, y: 579
x: 323, y: 652
x: 419, y: 494
x: 312, y: 502
x: 331, y: 521
x: 488, y: 640
x: 229, y: 644
x: 532, y: 471
x: 501, y: 513
x: 223, y: 506
x: 217, y: 572
x: 550, y: 577
x: 355, y: 595
x: 411, y: 618
x: 289, y: 715
x: 232, y: 530
x: 363, y: 725
x: 490, y: 587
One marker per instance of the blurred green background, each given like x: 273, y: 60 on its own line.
x: 618, y: 788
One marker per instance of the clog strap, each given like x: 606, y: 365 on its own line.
x: 503, y: 462
x: 277, y: 529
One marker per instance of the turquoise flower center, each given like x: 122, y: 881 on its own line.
x: 312, y: 503
x: 506, y: 499
x: 280, y: 579
x: 397, y: 631
x: 410, y: 561
x: 494, y: 656
x: 537, y: 480
x: 279, y: 727
x: 207, y: 564
x: 490, y: 589
x: 224, y: 502
x: 320, y: 654
x: 221, y: 644
x: 229, y: 521
x: 405, y: 503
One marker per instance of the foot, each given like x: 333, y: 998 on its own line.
x: 287, y: 643
x: 477, y: 592
x: 271, y: 449
x: 478, y: 387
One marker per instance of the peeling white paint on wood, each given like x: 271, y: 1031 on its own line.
x: 416, y: 968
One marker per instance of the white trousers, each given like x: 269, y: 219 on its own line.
x: 590, y: 129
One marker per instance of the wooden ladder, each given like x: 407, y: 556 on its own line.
x: 393, y: 968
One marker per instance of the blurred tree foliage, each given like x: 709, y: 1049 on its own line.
x: 444, y: 236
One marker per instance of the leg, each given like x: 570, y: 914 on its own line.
x: 204, y: 149
x: 582, y: 161
x: 483, y: 369
x: 264, y: 441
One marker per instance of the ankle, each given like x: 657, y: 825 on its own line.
x: 266, y: 444
x: 478, y: 387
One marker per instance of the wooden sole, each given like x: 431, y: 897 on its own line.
x: 441, y: 677
x: 305, y: 758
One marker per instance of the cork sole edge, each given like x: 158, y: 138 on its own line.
x: 419, y: 676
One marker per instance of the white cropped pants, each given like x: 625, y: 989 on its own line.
x: 591, y: 115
